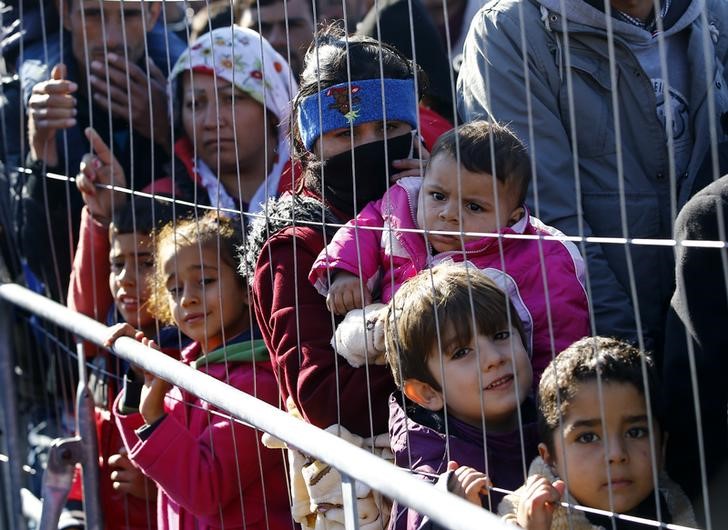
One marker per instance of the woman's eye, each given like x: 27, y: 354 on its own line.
x: 460, y: 353
x: 587, y: 438
x: 638, y: 432
x: 502, y: 335
x: 195, y: 104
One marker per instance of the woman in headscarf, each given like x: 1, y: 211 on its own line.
x: 231, y: 94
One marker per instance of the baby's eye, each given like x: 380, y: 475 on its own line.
x: 637, y: 432
x: 460, y: 353
x: 502, y: 335
x: 207, y: 281
x: 116, y: 266
x: 474, y: 207
x: 437, y: 196
x: 587, y: 438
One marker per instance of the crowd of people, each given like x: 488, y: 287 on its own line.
x: 435, y: 229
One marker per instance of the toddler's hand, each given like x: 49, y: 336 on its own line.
x: 345, y: 294
x: 537, y: 505
x: 467, y: 482
x: 127, y: 478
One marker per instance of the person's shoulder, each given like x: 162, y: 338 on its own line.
x: 509, y: 9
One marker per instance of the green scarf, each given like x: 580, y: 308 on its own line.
x: 239, y: 352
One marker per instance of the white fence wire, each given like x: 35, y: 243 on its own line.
x: 583, y: 178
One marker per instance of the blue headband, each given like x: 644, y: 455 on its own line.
x: 366, y: 105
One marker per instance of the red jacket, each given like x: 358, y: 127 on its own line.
x: 89, y: 294
x: 212, y: 472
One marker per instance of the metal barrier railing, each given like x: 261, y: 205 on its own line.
x: 353, y: 463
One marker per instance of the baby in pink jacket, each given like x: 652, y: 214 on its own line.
x: 469, y: 206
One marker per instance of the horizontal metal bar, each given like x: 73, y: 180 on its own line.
x: 447, y: 509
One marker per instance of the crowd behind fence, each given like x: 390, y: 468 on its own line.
x: 472, y: 238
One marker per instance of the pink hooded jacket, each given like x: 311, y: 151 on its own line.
x: 212, y: 472
x: 390, y: 253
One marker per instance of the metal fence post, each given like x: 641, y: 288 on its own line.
x: 89, y: 457
x: 10, y: 416
x: 65, y: 453
x: 351, y: 512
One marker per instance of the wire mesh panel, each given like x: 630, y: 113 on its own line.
x: 482, y: 240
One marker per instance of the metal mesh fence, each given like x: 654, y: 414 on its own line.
x: 302, y: 160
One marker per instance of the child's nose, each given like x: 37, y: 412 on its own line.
x: 189, y: 296
x: 616, y: 450
x: 449, y: 212
x: 126, y: 277
x: 490, y: 356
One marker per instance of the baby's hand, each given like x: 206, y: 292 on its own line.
x: 345, y: 294
x: 467, y: 482
x: 539, y: 502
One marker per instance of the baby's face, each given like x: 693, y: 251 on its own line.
x: 619, y: 443
x: 480, y: 204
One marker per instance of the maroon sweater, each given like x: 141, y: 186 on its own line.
x: 325, y: 388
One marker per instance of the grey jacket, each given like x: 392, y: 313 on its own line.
x: 572, y: 52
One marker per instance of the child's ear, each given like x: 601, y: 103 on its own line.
x: 545, y: 454
x: 516, y: 215
x: 423, y: 394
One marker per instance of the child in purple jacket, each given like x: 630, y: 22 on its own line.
x: 470, y: 207
x: 456, y: 349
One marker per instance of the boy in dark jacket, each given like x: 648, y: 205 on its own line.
x: 456, y: 349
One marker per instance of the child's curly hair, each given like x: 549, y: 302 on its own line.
x: 210, y: 229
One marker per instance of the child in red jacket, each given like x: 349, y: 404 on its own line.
x: 212, y: 471
x: 115, y: 250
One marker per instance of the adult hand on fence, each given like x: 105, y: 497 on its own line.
x: 541, y: 498
x: 468, y: 483
x: 101, y: 168
x: 131, y: 100
x: 128, y: 479
x: 51, y: 107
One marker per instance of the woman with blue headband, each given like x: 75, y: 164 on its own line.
x: 354, y: 119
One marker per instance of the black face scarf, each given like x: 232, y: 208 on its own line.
x: 370, y: 168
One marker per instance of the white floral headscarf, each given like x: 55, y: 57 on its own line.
x: 248, y: 61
